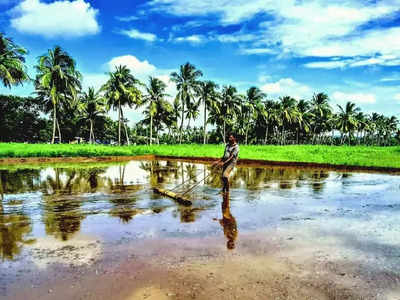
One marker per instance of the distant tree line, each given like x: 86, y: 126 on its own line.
x: 60, y: 110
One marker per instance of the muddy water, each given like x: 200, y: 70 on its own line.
x: 91, y: 231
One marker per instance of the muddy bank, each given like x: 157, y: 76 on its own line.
x: 203, y: 160
x: 267, y: 266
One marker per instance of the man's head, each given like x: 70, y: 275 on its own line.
x: 231, y: 139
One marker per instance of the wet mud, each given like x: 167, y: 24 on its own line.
x: 281, y: 233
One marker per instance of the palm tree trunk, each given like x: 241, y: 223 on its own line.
x: 91, y: 132
x: 181, y: 129
x: 297, y: 136
x: 93, y: 138
x: 247, y: 130
x: 266, y: 135
x: 126, y: 130
x: 205, y: 123
x: 59, y: 132
x: 151, y: 128
x: 224, y: 133
x: 54, y: 123
x: 119, y: 123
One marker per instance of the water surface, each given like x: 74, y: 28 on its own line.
x: 72, y: 216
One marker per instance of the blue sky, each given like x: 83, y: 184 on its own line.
x: 349, y: 49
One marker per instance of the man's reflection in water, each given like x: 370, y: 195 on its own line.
x: 228, y: 222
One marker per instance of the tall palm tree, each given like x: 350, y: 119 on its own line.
x: 155, y: 93
x: 288, y: 114
x: 12, y: 68
x: 347, y: 121
x: 209, y: 97
x: 57, y: 80
x: 187, y: 85
x: 321, y: 111
x: 121, y: 90
x: 304, y: 120
x: 92, y: 106
x: 192, y: 112
x: 229, y: 107
x: 252, y: 107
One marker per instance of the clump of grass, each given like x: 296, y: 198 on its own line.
x: 335, y: 155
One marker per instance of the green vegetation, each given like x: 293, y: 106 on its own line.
x: 253, y: 117
x: 339, y: 155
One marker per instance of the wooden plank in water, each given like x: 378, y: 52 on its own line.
x: 179, y: 198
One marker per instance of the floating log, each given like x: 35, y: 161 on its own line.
x: 179, y: 198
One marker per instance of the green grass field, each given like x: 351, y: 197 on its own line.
x: 339, y: 155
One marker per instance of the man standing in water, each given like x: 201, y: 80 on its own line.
x: 228, y: 161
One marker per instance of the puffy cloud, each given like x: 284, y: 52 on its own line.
x: 135, y: 34
x: 287, y: 87
x: 141, y: 70
x: 359, y: 98
x: 137, y: 67
x: 60, y: 18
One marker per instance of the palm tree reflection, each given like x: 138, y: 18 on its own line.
x: 228, y: 222
x: 13, y: 231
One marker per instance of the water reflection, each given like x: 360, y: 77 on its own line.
x: 66, y: 196
x: 228, y: 222
x: 14, y: 230
x: 62, y: 217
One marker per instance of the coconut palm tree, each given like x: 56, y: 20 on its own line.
x: 251, y: 107
x: 121, y: 90
x: 192, y: 112
x: 304, y: 117
x: 288, y: 114
x: 209, y: 97
x: 92, y: 106
x: 12, y: 68
x: 321, y: 111
x: 187, y: 85
x: 57, y: 80
x: 155, y: 93
x: 229, y: 107
x: 347, y: 121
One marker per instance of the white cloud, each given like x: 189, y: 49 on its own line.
x: 230, y: 11
x: 397, y: 97
x: 195, y: 39
x: 326, y: 64
x: 142, y: 70
x: 137, y: 67
x: 257, y: 51
x: 318, y: 28
x: 287, y: 87
x: 93, y: 80
x: 135, y: 34
x: 393, y: 77
x: 127, y: 19
x: 235, y: 37
x: 61, y: 18
x: 171, y: 87
x: 359, y: 98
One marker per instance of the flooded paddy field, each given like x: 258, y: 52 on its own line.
x: 98, y: 231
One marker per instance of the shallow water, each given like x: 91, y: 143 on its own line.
x: 74, y: 216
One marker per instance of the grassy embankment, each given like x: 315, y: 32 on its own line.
x: 336, y: 155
